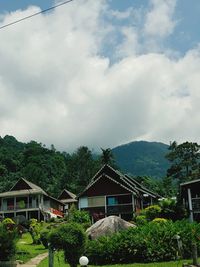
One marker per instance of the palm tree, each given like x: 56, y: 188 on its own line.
x: 107, y: 156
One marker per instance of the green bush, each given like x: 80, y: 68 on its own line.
x: 34, y: 229
x: 167, y: 208
x: 148, y: 243
x: 79, y: 216
x: 140, y: 220
x: 70, y: 238
x: 8, y: 221
x: 8, y: 239
x: 151, y: 212
x: 159, y: 220
x: 44, y: 237
x: 171, y: 209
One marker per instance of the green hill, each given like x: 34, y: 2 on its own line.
x: 142, y: 158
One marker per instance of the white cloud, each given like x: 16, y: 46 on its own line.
x: 55, y: 87
x: 159, y: 20
x: 130, y: 44
x: 121, y: 15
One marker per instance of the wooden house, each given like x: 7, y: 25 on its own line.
x: 112, y: 193
x: 190, y: 195
x: 68, y: 198
x: 29, y: 200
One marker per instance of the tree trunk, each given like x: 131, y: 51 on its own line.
x: 194, y: 254
x: 51, y: 257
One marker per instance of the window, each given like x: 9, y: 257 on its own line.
x: 96, y: 201
x: 111, y: 201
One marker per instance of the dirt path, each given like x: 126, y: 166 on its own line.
x: 35, y: 261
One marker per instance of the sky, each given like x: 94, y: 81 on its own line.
x: 100, y: 73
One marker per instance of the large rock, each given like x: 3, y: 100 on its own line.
x: 107, y: 226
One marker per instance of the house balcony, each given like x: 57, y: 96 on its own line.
x: 120, y: 208
x: 17, y: 207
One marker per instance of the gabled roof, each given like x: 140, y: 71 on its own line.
x: 28, y: 188
x: 123, y: 180
x: 65, y: 194
x: 26, y: 185
x: 140, y: 187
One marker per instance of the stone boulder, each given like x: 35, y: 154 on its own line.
x: 107, y: 226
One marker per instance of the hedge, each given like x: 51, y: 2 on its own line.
x: 148, y: 243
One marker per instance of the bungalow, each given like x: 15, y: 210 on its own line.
x: 30, y: 201
x: 190, y: 196
x: 112, y: 193
x: 68, y: 198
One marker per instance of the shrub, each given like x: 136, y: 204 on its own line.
x: 34, y: 229
x: 171, y: 209
x: 152, y: 212
x: 141, y: 220
x: 44, y: 237
x: 168, y: 208
x: 148, y: 243
x: 79, y: 216
x: 21, y: 220
x: 8, y: 221
x: 159, y: 220
x: 8, y: 239
x: 70, y: 238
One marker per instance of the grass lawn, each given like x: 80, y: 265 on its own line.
x: 26, y: 250
x: 58, y: 262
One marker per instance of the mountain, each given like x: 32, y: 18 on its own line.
x: 142, y: 158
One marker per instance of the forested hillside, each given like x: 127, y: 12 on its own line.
x: 142, y: 158
x: 48, y: 168
x: 54, y: 170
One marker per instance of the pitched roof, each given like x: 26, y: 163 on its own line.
x: 27, y: 185
x: 140, y: 187
x: 123, y: 180
x: 28, y: 189
x: 65, y: 194
x: 19, y: 193
x: 190, y: 182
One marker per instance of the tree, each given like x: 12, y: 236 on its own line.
x: 152, y: 184
x: 8, y: 240
x: 168, y: 187
x: 43, y: 166
x: 70, y: 238
x: 81, y: 167
x: 185, y: 161
x: 107, y: 157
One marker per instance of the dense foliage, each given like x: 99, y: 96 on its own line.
x: 45, y: 167
x: 54, y: 170
x: 70, y: 238
x: 185, y: 161
x: 79, y: 216
x: 154, y: 241
x: 165, y: 187
x: 35, y: 228
x: 8, y: 239
x: 167, y: 208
